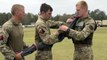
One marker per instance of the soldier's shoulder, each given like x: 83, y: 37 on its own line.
x: 90, y: 20
x: 40, y: 23
x: 3, y: 37
x: 7, y: 24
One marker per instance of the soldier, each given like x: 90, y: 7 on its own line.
x: 11, y: 36
x: 43, y: 34
x: 82, y: 34
x: 44, y: 39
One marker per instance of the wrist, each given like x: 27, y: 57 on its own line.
x: 68, y: 30
x: 22, y: 55
x: 56, y: 33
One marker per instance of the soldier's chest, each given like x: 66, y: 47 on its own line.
x: 48, y: 28
x: 79, y: 25
x: 17, y: 32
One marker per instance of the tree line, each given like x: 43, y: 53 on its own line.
x: 32, y: 18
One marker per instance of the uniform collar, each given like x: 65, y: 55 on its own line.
x: 15, y: 22
x: 41, y: 18
x: 85, y: 17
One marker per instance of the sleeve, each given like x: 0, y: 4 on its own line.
x: 55, y: 24
x: 4, y: 49
x: 45, y: 35
x: 81, y: 35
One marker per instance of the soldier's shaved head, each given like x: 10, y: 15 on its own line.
x: 82, y: 4
x: 15, y: 8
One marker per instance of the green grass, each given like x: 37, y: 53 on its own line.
x: 64, y: 50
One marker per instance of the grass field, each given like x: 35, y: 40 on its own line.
x: 64, y: 50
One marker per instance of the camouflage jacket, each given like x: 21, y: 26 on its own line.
x: 42, y: 31
x: 83, y: 31
x: 12, y: 41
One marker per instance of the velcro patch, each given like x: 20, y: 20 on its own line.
x: 80, y: 24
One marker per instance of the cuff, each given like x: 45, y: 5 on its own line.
x: 68, y: 30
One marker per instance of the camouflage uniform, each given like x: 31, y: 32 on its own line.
x: 43, y: 35
x: 82, y: 38
x: 12, y: 41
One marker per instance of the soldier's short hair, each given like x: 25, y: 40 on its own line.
x: 16, y: 7
x: 45, y: 7
x: 83, y: 4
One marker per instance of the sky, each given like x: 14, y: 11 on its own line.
x: 59, y: 6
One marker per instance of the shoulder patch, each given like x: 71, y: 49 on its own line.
x: 41, y: 31
x: 1, y: 37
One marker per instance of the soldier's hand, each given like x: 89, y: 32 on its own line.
x: 63, y: 28
x: 69, y: 20
x: 18, y: 56
x: 26, y: 46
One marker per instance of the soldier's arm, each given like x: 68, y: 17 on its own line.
x: 24, y: 45
x: 45, y: 35
x: 81, y: 35
x: 33, y: 48
x: 55, y: 24
x: 4, y: 49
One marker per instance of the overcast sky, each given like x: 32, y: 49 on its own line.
x: 59, y: 6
